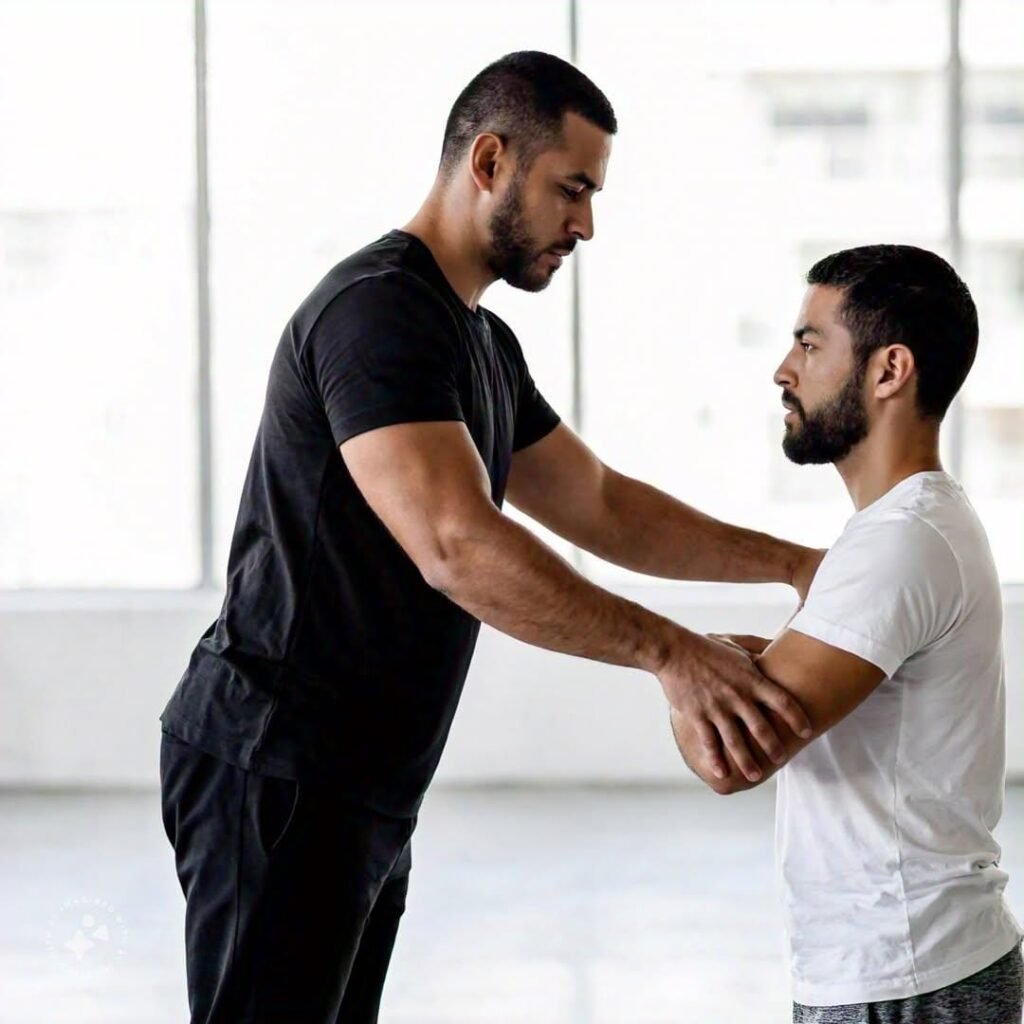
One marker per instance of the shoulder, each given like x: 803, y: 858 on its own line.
x: 901, y: 543
x: 378, y: 280
x: 887, y: 588
x: 892, y: 566
x: 923, y: 517
x: 384, y: 322
x: 386, y: 302
x: 894, y: 529
x: 393, y: 290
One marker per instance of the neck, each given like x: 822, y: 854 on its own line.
x: 445, y: 226
x: 887, y: 456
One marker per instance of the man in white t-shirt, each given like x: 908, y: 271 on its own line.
x: 892, y: 885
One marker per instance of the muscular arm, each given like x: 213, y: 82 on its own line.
x: 429, y: 487
x: 427, y: 484
x: 828, y: 682
x: 561, y: 483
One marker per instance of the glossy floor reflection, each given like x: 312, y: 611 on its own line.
x: 557, y: 906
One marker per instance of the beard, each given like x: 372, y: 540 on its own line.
x: 833, y: 430
x: 514, y: 255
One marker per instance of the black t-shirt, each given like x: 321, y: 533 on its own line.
x: 332, y: 660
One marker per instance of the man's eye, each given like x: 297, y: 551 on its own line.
x: 806, y: 346
x: 570, y: 193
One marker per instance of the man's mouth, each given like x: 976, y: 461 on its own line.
x: 556, y: 254
x: 565, y: 249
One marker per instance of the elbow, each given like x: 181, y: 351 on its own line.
x: 458, y: 549
x: 446, y: 561
x: 441, y: 572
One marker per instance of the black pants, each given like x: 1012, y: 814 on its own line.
x: 293, y: 895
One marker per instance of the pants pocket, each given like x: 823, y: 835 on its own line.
x: 276, y: 811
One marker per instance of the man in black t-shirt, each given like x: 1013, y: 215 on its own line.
x: 369, y: 546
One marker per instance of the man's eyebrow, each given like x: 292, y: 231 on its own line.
x: 806, y: 329
x: 584, y: 179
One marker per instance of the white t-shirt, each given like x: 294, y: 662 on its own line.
x: 890, y: 872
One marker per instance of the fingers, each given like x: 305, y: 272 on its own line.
x: 736, y: 744
x: 745, y: 642
x: 728, y: 640
x: 751, y: 644
x: 712, y: 746
x: 761, y: 730
x: 729, y: 704
x: 786, y: 706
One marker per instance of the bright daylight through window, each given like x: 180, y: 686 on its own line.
x: 742, y: 158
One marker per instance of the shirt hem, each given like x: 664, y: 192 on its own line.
x: 537, y: 435
x: 389, y: 416
x: 918, y: 984
x: 241, y: 754
x: 238, y: 753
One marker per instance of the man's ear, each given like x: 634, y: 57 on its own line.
x: 485, y: 152
x: 893, y: 368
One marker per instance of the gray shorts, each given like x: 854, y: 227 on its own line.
x: 992, y: 996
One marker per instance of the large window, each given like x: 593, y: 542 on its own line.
x: 98, y: 424
x: 751, y: 143
x: 753, y: 152
x: 992, y: 218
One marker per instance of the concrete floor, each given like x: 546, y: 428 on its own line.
x: 560, y: 906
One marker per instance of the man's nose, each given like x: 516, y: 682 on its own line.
x: 784, y: 376
x: 581, y: 224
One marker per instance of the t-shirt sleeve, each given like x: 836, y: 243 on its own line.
x: 534, y: 417
x: 887, y: 589
x: 384, y: 351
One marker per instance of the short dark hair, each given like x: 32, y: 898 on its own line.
x: 523, y: 98
x: 899, y: 294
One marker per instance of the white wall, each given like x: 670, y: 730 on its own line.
x: 84, y: 678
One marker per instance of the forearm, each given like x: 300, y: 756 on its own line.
x: 504, y: 576
x: 649, y: 531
